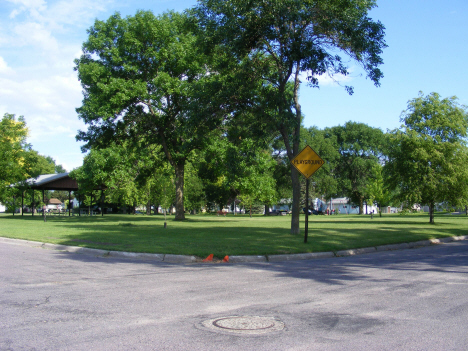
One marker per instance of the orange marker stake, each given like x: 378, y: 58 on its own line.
x: 209, y: 258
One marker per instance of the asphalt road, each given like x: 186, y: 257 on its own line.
x: 399, y: 300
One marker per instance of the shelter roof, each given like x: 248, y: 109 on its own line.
x: 54, y: 201
x: 60, y: 181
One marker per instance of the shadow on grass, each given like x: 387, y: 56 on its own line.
x: 239, y: 240
x: 221, y: 236
x: 111, y: 218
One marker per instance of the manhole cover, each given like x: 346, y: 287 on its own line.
x: 244, y: 324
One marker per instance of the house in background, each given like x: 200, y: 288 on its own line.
x: 340, y: 205
x: 54, y: 204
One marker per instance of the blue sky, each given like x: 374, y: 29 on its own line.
x: 39, y: 39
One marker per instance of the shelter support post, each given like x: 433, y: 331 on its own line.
x: 43, y: 206
x: 69, y: 203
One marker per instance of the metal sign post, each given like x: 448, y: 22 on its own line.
x: 307, y: 212
x: 307, y: 162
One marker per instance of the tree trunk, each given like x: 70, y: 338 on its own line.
x: 294, y: 150
x: 250, y: 211
x: 295, y: 174
x: 267, y: 209
x: 148, y: 208
x: 179, y: 183
x: 361, y: 206
x: 431, y: 213
x: 296, y: 185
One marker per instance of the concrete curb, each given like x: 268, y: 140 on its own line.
x: 392, y: 247
x: 353, y: 252
x: 232, y: 259
x: 247, y: 259
x: 123, y: 254
x: 179, y: 259
x: 303, y: 256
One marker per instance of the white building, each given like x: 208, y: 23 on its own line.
x: 340, y: 205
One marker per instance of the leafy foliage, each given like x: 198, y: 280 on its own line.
x: 240, y: 169
x: 361, y: 148
x: 428, y: 157
x: 145, y: 78
x: 13, y: 168
x: 130, y: 175
x: 284, y: 38
x: 18, y: 162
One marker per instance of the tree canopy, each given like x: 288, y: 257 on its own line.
x: 18, y: 161
x: 283, y: 38
x: 361, y: 147
x: 146, y: 78
x: 428, y: 157
x: 13, y: 168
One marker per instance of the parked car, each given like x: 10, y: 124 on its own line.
x: 279, y: 212
x: 311, y: 212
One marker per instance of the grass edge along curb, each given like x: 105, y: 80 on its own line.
x: 184, y: 259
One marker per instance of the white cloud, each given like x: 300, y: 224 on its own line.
x: 35, y: 34
x: 39, y: 41
x: 76, y: 12
x: 14, y: 13
x: 4, y: 68
x: 58, y: 14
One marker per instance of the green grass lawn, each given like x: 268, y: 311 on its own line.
x: 201, y: 235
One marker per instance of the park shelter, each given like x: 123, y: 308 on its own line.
x: 60, y: 181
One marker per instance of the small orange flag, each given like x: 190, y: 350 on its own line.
x: 226, y: 259
x: 209, y: 258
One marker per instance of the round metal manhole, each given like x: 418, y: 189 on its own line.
x: 244, y: 324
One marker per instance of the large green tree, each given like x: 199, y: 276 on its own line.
x: 38, y: 164
x: 361, y: 147
x: 285, y: 38
x: 18, y: 161
x: 13, y: 151
x: 237, y: 168
x: 428, y: 157
x: 323, y: 182
x: 129, y: 174
x: 378, y: 189
x: 146, y: 78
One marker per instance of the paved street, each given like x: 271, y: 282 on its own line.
x: 396, y: 300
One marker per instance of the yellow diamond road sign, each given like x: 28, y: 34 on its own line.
x: 307, y: 162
